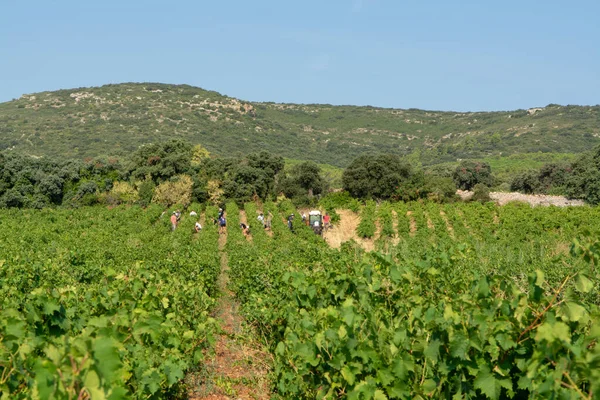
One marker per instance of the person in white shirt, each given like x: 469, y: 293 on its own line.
x: 198, y: 227
x: 261, y: 218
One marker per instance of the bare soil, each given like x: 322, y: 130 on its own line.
x: 396, y: 238
x: 343, y: 230
x: 240, y: 367
x: 448, y: 224
x: 413, y: 223
x: 503, y: 198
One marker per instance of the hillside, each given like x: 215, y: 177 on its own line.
x: 116, y: 119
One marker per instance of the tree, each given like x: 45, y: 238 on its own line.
x: 161, y: 161
x: 267, y: 162
x: 375, y: 176
x: 302, y: 183
x: 177, y: 191
x: 470, y: 173
x: 526, y: 182
x: 145, y: 192
x: 584, y: 181
x: 51, y: 187
x: 199, y: 153
x: 439, y: 189
x: 481, y: 193
x: 123, y: 193
x: 553, y: 175
x: 12, y: 198
x: 215, y: 193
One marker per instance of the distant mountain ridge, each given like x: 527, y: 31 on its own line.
x: 117, y: 119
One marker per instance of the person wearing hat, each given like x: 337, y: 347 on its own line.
x: 290, y: 224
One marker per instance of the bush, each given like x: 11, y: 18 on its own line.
x: 440, y: 189
x: 584, y: 181
x: 145, y: 192
x: 470, y: 173
x: 375, y: 176
x: 178, y: 191
x: 481, y: 193
x: 122, y: 193
x: 526, y: 182
x: 339, y: 200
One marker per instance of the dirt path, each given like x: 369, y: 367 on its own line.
x: 413, y: 223
x: 239, y: 368
x: 448, y: 224
x: 502, y: 198
x: 343, y: 230
x: 396, y: 238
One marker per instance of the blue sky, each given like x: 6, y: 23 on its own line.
x: 437, y: 55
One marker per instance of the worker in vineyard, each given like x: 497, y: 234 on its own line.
x: 173, y: 221
x: 261, y: 219
x: 268, y: 221
x: 245, y: 229
x: 290, y: 223
x: 197, y: 227
x: 178, y: 215
x: 222, y: 224
x: 304, y: 220
x: 326, y: 221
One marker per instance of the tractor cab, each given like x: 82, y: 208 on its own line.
x: 315, y: 221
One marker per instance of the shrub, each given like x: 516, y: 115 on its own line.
x: 584, y: 182
x: 440, y: 189
x: 526, y: 182
x: 375, y: 176
x: 145, y: 192
x: 122, y: 192
x: 481, y: 193
x: 178, y: 191
x: 340, y: 200
x: 470, y: 173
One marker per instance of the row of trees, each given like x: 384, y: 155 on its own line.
x: 176, y: 172
x: 578, y: 180
x: 173, y: 172
x: 389, y: 177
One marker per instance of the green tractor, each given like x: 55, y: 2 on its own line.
x: 315, y: 221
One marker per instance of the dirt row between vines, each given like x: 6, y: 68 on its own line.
x: 239, y: 366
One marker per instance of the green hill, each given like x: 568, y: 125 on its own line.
x: 117, y: 119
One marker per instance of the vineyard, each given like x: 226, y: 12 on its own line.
x: 102, y: 303
x: 458, y: 301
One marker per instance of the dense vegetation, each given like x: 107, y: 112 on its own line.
x: 175, y: 172
x: 169, y: 173
x: 114, y: 120
x: 102, y: 303
x: 477, y: 302
x: 468, y: 299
